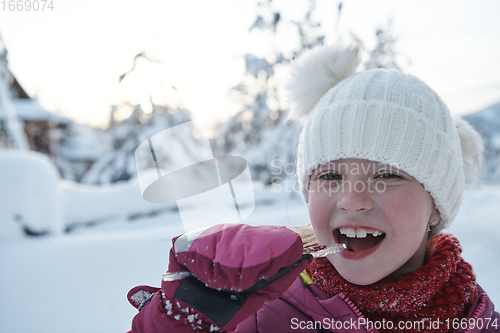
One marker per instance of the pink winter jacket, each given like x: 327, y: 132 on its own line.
x: 303, y: 308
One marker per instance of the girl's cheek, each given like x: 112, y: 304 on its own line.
x: 312, y: 207
x: 407, y: 208
x: 319, y: 210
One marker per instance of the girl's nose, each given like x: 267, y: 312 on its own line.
x: 355, y: 199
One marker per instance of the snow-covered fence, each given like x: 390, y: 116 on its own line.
x: 34, y: 200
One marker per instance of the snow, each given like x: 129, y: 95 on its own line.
x: 78, y: 282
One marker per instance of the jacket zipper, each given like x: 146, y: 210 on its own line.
x: 356, y: 310
x: 479, y: 309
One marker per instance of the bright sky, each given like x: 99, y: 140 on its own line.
x: 70, y: 58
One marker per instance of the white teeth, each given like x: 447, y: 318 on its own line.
x: 349, y: 232
x: 359, y: 233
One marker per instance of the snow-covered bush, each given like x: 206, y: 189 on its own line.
x: 29, y: 195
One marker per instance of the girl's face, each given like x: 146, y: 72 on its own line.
x: 378, y: 211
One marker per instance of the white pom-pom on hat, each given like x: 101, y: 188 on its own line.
x: 472, y: 151
x: 316, y: 71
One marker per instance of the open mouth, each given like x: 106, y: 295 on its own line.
x: 358, y: 239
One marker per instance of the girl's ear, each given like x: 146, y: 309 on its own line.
x: 435, y: 217
x: 472, y: 151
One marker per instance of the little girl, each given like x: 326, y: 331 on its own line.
x: 382, y: 167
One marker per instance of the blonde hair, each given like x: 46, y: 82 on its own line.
x: 307, y: 235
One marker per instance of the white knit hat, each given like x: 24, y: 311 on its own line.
x: 380, y: 115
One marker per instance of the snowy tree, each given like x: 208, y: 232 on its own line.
x: 259, y: 132
x: 384, y: 54
x: 151, y: 110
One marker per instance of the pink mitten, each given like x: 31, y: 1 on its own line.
x: 222, y: 275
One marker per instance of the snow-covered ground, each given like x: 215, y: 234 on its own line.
x: 78, y: 282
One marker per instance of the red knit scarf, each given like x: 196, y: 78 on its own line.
x: 442, y: 288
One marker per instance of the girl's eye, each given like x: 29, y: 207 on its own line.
x: 330, y: 176
x: 389, y: 175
